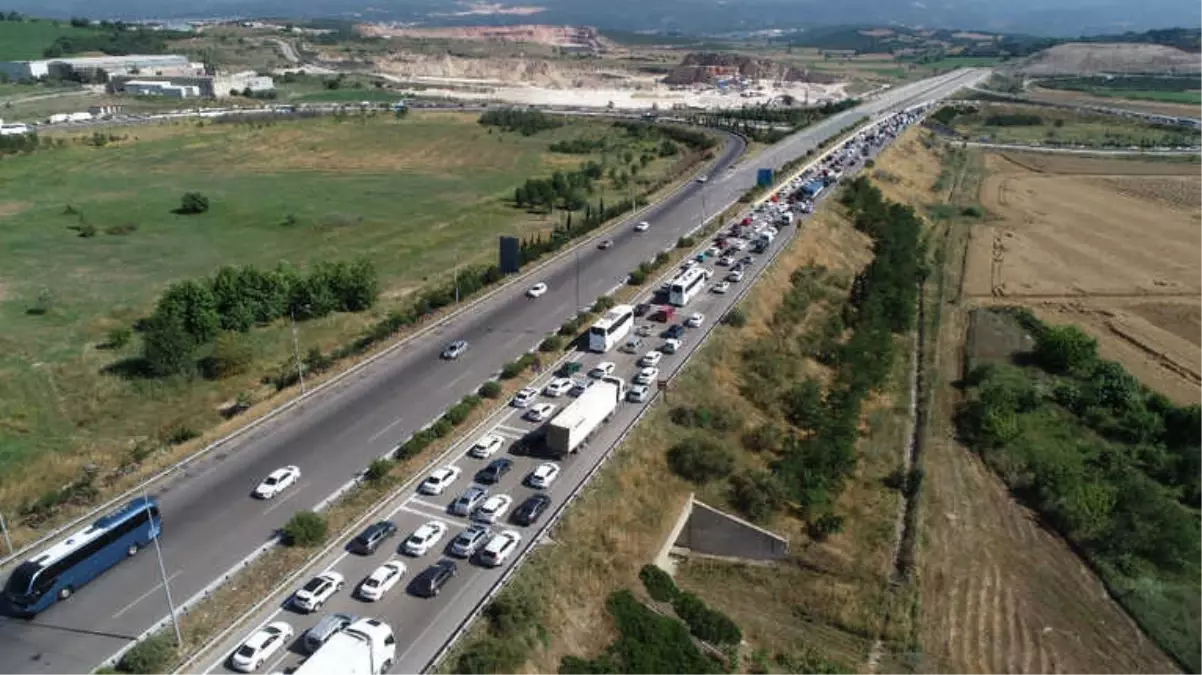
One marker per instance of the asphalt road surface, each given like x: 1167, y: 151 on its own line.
x: 210, y: 521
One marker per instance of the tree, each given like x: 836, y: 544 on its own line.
x: 193, y: 203
x: 306, y: 528
x: 701, y: 459
x: 1063, y: 349
x: 166, y: 346
x: 756, y: 494
x: 803, y: 404
x: 194, y: 306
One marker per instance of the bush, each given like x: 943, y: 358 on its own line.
x: 824, y: 526
x: 701, y: 459
x: 735, y: 318
x: 637, y: 278
x: 756, y: 494
x: 155, y: 654
x: 719, y: 419
x: 193, y: 203
x: 552, y: 343
x: 442, y: 428
x: 378, y: 469
x: 706, y: 623
x: 659, y: 584
x: 766, y: 438
x: 87, y: 230
x: 119, y: 337
x: 603, y: 303
x: 305, y: 529
x: 511, y: 370
x: 231, y: 356
x: 490, y: 389
x: 181, y: 434
x: 492, y: 655
x: 685, y: 242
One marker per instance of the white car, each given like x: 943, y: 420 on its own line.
x: 695, y: 320
x: 642, y: 227
x: 721, y: 287
x: 581, y: 386
x: 638, y: 393
x: 493, y: 508
x: 500, y: 547
x: 736, y: 275
x: 712, y: 251
x: 381, y: 580
x: 320, y: 588
x: 277, y: 482
x: 558, y: 387
x: 702, y: 179
x: 726, y: 261
x: 524, y: 397
x: 543, y: 475
x: 540, y: 413
x: 689, y: 264
x: 487, y: 446
x: 438, y: 480
x: 603, y: 369
x: 670, y: 346
x: 646, y: 375
x: 651, y: 358
x: 261, y: 646
x: 537, y: 290
x: 425, y: 538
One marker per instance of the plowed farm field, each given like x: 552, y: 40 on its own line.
x: 1110, y: 245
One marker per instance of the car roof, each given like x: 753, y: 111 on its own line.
x: 442, y: 471
x: 427, y: 528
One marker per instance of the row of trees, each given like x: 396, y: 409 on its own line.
x: 533, y: 248
x: 525, y: 122
x: 761, y: 122
x: 564, y: 189
x: 191, y: 314
x: 117, y: 39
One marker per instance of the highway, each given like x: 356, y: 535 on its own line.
x: 210, y: 522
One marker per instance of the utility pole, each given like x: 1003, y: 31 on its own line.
x: 7, y: 539
x: 158, y: 549
x: 578, y: 280
x: 456, y: 276
x: 300, y: 375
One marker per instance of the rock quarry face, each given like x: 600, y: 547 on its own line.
x: 709, y: 67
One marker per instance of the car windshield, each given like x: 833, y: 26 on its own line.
x: 314, y: 584
x: 271, y: 480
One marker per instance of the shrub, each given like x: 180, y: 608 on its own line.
x: 181, y: 434
x: 192, y: 203
x: 803, y: 404
x: 706, y: 623
x: 719, y: 419
x: 766, y: 438
x: 603, y: 303
x: 490, y: 389
x: 637, y: 278
x: 231, y: 356
x: 735, y: 318
x: 119, y: 337
x: 701, y: 459
x: 824, y: 526
x: 155, y: 654
x: 685, y: 242
x: 378, y: 469
x: 659, y: 584
x: 305, y: 529
x: 511, y: 370
x: 442, y: 428
x: 756, y: 494
x: 87, y: 230
x: 492, y: 655
x: 552, y: 343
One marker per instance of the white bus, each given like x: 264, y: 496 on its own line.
x: 610, y: 328
x: 686, y: 285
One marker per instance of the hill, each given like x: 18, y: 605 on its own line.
x: 1110, y: 58
x: 709, y: 66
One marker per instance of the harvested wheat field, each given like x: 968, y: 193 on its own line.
x: 1000, y: 592
x: 1112, y: 245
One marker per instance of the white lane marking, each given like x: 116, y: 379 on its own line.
x: 422, y: 502
x: 408, y: 509
x: 511, y: 434
x: 274, y: 668
x: 277, y: 502
x: 147, y: 594
x: 502, y: 428
x: 385, y: 430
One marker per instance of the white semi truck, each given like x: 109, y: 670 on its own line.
x: 572, y: 427
x: 366, y: 647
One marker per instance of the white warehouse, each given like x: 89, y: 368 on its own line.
x: 161, y: 88
x: 143, y: 63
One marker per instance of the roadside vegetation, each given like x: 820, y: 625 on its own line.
x: 783, y: 391
x: 82, y: 324
x: 1041, y: 125
x: 1172, y: 89
x: 764, y: 124
x: 1109, y: 464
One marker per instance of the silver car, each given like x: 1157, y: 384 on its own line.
x: 316, y: 636
x: 467, y: 542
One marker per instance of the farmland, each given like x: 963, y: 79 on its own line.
x: 91, y: 239
x: 26, y: 39
x: 1040, y: 125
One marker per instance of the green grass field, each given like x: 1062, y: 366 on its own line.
x: 1069, y: 128
x: 26, y: 40
x: 1187, y: 97
x: 414, y: 195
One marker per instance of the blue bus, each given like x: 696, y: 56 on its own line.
x: 67, y: 566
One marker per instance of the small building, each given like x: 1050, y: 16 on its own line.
x: 161, y: 88
x: 105, y: 110
x: 15, y: 129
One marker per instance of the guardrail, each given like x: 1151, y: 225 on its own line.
x: 655, y: 398
x: 339, y: 378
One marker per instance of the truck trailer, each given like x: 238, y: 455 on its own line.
x: 568, y: 430
x: 366, y: 647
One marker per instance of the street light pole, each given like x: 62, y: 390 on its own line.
x: 7, y: 539
x: 300, y: 375
x: 577, y: 280
x: 158, y: 549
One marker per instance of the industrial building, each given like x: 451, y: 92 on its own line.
x: 209, y: 86
x: 146, y: 64
x: 161, y: 88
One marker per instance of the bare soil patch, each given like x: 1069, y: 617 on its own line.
x: 1111, y: 245
x: 1099, y: 58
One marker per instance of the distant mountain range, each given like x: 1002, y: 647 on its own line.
x: 693, y: 17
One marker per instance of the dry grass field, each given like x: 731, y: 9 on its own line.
x: 1000, y: 592
x: 1110, y: 244
x: 1081, y: 98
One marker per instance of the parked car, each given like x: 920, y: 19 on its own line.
x: 439, y: 479
x: 468, y: 541
x: 430, y: 582
x: 260, y: 646
x: 530, y: 510
x: 454, y: 350
x: 320, y: 588
x: 370, y: 539
x: 277, y: 481
x: 499, y: 548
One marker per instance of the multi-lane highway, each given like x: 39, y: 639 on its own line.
x: 210, y: 522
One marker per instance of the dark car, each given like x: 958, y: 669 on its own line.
x: 674, y: 331
x: 455, y: 350
x: 605, y: 244
x: 371, y: 538
x: 495, y: 471
x: 430, y: 582
x: 642, y: 308
x: 530, y: 510
x: 316, y: 636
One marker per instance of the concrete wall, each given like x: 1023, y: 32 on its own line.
x: 713, y: 532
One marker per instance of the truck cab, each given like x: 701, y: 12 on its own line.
x: 366, y: 647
